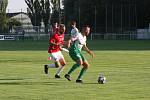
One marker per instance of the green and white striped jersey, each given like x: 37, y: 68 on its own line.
x: 78, y: 41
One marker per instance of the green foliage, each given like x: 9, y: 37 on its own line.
x: 57, y: 15
x: 39, y: 11
x: 34, y: 12
x: 3, y: 6
x: 14, y: 22
x: 3, y: 19
x: 56, y: 4
x: 46, y: 13
x: 3, y: 23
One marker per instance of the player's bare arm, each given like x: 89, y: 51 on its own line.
x: 68, y: 43
x: 88, y: 50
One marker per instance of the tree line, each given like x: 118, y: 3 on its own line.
x: 38, y: 11
x: 3, y: 19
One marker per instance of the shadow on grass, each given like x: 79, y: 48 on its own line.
x: 12, y: 79
x: 21, y: 81
x: 94, y: 45
x: 30, y: 83
x: 40, y: 83
x: 91, y: 83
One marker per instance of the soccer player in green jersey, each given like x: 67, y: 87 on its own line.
x: 79, y: 43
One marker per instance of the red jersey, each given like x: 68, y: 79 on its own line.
x: 58, y: 39
x: 55, y: 29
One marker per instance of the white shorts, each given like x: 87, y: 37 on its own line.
x: 56, y: 56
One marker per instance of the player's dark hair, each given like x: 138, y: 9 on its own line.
x: 85, y: 26
x: 73, y: 22
x: 61, y: 25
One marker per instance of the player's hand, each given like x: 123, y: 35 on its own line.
x: 54, y: 43
x: 68, y: 43
x: 92, y: 54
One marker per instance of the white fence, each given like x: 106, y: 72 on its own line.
x: 108, y: 36
x: 143, y: 33
x: 136, y: 35
x: 36, y: 33
x: 113, y: 36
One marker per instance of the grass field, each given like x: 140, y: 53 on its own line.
x: 126, y: 65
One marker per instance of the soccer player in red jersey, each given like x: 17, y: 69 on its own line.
x: 54, y: 51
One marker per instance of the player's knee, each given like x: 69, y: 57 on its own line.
x: 80, y: 63
x: 86, y: 65
x: 57, y: 64
x: 63, y: 63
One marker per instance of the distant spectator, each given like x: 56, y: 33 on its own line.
x: 20, y: 33
x: 55, y: 27
x: 74, y: 32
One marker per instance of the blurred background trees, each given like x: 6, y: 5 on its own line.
x: 3, y: 18
x: 109, y: 15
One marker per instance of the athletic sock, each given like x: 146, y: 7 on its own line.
x: 60, y: 70
x: 73, y: 68
x: 81, y: 73
x: 51, y: 66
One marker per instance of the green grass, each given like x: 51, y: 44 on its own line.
x: 126, y: 65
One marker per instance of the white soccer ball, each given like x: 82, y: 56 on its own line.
x: 101, y: 79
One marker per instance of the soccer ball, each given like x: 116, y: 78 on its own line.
x: 101, y: 79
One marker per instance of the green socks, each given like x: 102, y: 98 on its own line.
x: 81, y: 73
x: 73, y: 68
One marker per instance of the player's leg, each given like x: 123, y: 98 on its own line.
x: 83, y: 70
x: 77, y: 58
x: 53, y: 65
x: 62, y: 63
x: 76, y: 65
x: 72, y: 69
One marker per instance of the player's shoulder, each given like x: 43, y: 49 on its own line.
x: 56, y: 34
x: 74, y: 31
x: 79, y: 34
